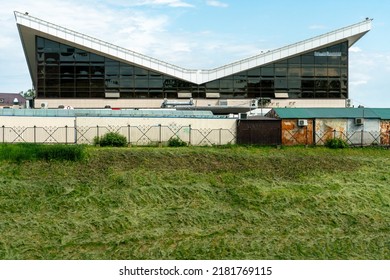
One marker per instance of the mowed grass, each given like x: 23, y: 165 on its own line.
x: 198, y: 203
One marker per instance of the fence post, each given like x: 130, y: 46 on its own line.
x: 159, y: 135
x: 3, y: 133
x: 97, y: 132
x: 189, y: 135
x: 35, y: 134
x: 220, y: 136
x: 128, y: 135
x: 334, y: 133
x: 75, y: 130
x: 66, y: 134
x: 362, y: 138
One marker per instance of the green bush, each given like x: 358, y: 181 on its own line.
x: 176, y: 142
x: 111, y: 139
x: 336, y: 143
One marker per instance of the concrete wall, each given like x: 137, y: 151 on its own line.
x: 365, y: 134
x: 292, y: 134
x: 139, y: 131
x: 385, y: 132
x: 319, y: 130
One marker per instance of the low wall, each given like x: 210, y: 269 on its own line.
x: 138, y: 131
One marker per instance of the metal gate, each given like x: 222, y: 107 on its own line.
x: 259, y: 132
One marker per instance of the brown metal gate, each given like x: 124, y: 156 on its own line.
x: 259, y: 132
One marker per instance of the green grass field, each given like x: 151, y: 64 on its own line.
x: 198, y: 203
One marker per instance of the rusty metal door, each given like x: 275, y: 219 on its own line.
x: 259, y: 132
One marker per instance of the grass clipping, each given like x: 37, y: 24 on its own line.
x: 198, y: 203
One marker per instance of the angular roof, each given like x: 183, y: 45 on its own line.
x: 331, y: 113
x: 30, y: 26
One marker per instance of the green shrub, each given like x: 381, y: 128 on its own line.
x: 336, y: 143
x: 176, y: 142
x: 111, y: 139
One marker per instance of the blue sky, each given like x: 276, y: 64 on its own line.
x: 202, y: 34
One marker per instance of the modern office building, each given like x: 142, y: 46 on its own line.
x: 72, y: 69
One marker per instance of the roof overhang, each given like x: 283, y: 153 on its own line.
x: 29, y: 27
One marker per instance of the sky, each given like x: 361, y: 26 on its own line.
x: 204, y: 34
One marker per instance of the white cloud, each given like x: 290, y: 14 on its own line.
x: 216, y: 3
x: 355, y: 49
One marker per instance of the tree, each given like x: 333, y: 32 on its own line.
x: 28, y: 93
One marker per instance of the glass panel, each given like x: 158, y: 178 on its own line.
x: 255, y: 72
x: 82, y: 56
x: 141, y: 83
x: 334, y: 60
x: 155, y: 83
x: 53, y: 83
x: 126, y: 70
x: 51, y: 46
x: 52, y: 93
x: 52, y: 71
x: 212, y: 85
x: 127, y: 83
x: 52, y: 58
x: 82, y: 83
x: 307, y: 71
x: 41, y: 72
x: 294, y: 83
x: 321, y: 72
x: 40, y: 57
x: 67, y: 57
x: 67, y: 83
x: 294, y: 60
x: 97, y: 94
x: 267, y: 71
x: 240, y: 84
x: 40, y: 44
x: 307, y: 84
x: 169, y: 83
x: 308, y: 59
x: 280, y: 71
x: 82, y: 70
x: 294, y: 71
x: 321, y: 60
x: 96, y: 58
x: 140, y: 73
x: 67, y: 93
x: 280, y: 83
x: 156, y: 94
x: 82, y: 93
x: 226, y: 84
x: 334, y: 72
x: 112, y: 83
x: 97, y: 83
x: 155, y: 75
x: 97, y: 70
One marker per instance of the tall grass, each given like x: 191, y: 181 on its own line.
x: 198, y: 203
x: 26, y: 151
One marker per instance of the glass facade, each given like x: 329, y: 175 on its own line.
x: 67, y: 72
